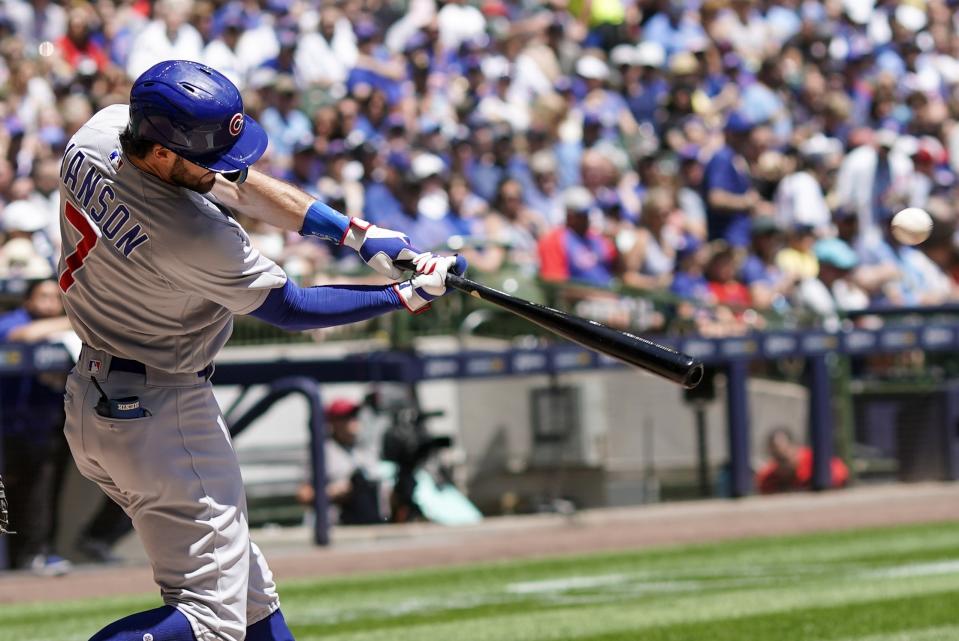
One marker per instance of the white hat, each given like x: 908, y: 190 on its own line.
x: 22, y: 215
x: 542, y: 162
x: 495, y: 67
x: 820, y: 145
x: 426, y: 165
x: 906, y: 145
x: 859, y: 11
x: 911, y: 17
x: 622, y: 55
x: 650, y: 54
x: 886, y: 137
x: 592, y: 67
x: 19, y: 259
x: 577, y: 199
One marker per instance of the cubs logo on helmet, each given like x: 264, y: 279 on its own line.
x: 236, y: 124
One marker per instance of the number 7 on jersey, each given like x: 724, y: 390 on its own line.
x: 89, y: 237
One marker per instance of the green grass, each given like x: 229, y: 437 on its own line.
x: 893, y: 584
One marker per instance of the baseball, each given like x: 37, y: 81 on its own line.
x: 911, y: 226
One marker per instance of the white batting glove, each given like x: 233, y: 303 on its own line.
x: 430, y: 281
x: 429, y: 263
x: 379, y: 247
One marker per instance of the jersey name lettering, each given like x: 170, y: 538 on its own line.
x: 114, y: 217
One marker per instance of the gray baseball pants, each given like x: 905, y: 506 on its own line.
x: 176, y: 474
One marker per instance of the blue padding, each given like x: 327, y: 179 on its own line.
x: 272, y: 628
x: 324, y: 221
x: 293, y: 307
x: 164, y: 624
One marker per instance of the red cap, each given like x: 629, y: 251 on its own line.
x: 341, y: 407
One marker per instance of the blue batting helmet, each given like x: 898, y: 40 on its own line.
x: 197, y: 113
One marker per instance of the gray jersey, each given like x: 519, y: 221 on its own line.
x: 150, y: 271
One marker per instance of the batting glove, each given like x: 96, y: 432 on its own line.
x: 418, y: 292
x: 379, y: 247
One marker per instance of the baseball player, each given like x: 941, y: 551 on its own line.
x: 153, y: 270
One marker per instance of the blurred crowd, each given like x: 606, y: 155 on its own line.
x: 743, y: 155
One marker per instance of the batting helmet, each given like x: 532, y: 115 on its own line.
x: 196, y: 112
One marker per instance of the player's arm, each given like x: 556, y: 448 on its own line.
x: 273, y: 201
x: 39, y: 330
x: 292, y: 307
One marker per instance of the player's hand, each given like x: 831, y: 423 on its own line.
x: 428, y: 263
x: 418, y: 292
x: 379, y: 247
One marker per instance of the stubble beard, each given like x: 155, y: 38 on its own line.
x: 180, y: 176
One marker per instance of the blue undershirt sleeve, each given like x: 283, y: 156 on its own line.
x: 292, y: 307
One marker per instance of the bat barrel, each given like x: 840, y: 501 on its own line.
x: 634, y: 350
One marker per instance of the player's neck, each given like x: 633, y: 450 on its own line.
x: 147, y: 167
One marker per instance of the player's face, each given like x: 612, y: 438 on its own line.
x: 44, y: 301
x: 184, y: 173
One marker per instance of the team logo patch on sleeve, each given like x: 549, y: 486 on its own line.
x: 116, y: 159
x: 236, y: 124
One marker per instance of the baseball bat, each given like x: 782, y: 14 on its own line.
x: 634, y: 350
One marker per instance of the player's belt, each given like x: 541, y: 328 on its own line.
x: 136, y: 367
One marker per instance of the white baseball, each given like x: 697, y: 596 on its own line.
x: 911, y: 226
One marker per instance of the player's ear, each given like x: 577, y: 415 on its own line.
x: 162, y: 154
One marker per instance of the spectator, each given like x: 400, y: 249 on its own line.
x: 790, y: 466
x: 511, y: 230
x: 651, y: 261
x: 689, y: 280
x: 37, y: 22
x: 576, y: 252
x: 800, y: 197
x: 833, y: 291
x: 764, y: 99
x: 424, y: 203
x: 674, y: 29
x: 23, y: 221
x: 797, y: 260
x: 727, y: 184
x: 648, y: 90
x: 33, y: 444
x: 603, y: 18
x: 872, y: 181
x: 356, y: 492
x: 324, y: 57
x: 721, y: 275
x: 222, y: 53
x: 168, y: 37
x: 491, y: 168
x: 915, y: 279
x: 283, y: 120
x: 77, y: 47
x: 689, y: 195
x: 769, y: 286
x: 544, y: 195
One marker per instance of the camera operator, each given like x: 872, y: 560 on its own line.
x: 408, y: 444
x: 356, y: 493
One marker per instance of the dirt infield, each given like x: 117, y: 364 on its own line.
x: 421, y: 545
